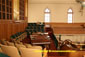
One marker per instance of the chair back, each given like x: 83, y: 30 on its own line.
x: 30, y: 52
x: 10, y: 43
x: 28, y: 45
x: 10, y: 51
x: 20, y: 46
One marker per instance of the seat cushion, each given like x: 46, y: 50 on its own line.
x: 3, y: 55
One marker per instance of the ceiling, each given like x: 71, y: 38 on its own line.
x: 51, y: 1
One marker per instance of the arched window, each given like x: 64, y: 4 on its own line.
x: 47, y: 15
x: 70, y: 15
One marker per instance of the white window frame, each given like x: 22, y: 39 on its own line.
x: 47, y: 15
x: 70, y: 16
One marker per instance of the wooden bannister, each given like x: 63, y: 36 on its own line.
x: 67, y: 28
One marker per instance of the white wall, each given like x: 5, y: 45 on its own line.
x: 58, y: 12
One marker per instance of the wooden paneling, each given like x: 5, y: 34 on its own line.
x: 8, y: 28
x: 68, y: 28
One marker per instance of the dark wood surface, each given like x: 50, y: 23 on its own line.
x: 39, y: 39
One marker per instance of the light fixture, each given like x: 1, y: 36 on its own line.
x: 83, y: 3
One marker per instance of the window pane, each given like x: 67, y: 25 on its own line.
x: 69, y: 18
x: 47, y: 17
x: 70, y: 10
x: 47, y: 10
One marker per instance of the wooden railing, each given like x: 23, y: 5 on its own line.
x: 68, y: 28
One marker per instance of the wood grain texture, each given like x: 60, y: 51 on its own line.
x: 8, y: 28
x: 68, y: 28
